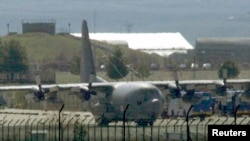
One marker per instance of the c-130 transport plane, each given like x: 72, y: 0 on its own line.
x: 138, y: 101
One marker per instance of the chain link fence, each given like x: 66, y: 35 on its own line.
x: 82, y: 126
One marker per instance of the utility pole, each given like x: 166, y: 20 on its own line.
x: 69, y: 28
x: 8, y: 28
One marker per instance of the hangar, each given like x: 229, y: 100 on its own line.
x: 219, y: 50
x: 163, y: 44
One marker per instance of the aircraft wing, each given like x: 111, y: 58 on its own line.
x: 238, y: 84
x: 190, y: 86
x: 107, y: 87
x: 187, y: 84
x: 79, y: 89
x: 99, y: 87
x: 209, y: 84
x: 22, y: 87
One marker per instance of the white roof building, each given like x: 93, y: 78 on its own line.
x: 163, y: 44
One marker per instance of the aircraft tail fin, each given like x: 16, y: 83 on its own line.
x: 87, y: 67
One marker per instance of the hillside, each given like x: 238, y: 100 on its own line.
x: 43, y: 48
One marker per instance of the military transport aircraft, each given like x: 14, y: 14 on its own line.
x: 138, y: 101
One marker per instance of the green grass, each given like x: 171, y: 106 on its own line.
x: 42, y: 47
x: 66, y: 77
x: 45, y: 48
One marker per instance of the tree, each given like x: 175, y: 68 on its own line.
x: 232, y: 70
x: 115, y: 67
x: 143, y: 71
x: 13, y: 58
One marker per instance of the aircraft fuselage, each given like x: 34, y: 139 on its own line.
x: 144, y: 101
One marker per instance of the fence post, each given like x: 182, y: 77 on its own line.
x: 129, y: 125
x: 14, y: 130
x: 136, y: 127
x: 88, y: 127
x: 25, y: 128
x: 37, y: 134
x: 175, y: 124
x: 9, y: 129
x: 206, y: 128
x: 3, y: 127
x: 82, y: 123
x: 124, y: 120
x: 115, y: 129
x: 167, y: 128
x: 32, y: 128
x: 187, y: 118
x: 151, y: 132
x: 43, y: 127
x: 143, y: 133
x: 49, y: 127
x: 159, y: 129
x: 62, y: 129
x: 68, y: 128
x: 181, y: 128
x: 197, y: 130
x: 59, y: 122
x: 95, y: 129
x: 108, y: 132
x: 20, y: 129
x: 235, y: 114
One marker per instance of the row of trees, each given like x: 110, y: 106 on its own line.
x: 13, y: 58
x: 116, y: 67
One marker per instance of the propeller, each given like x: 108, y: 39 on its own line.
x: 186, y: 93
x: 175, y: 90
x: 85, y: 92
x: 190, y: 94
x: 221, y: 87
x: 39, y: 94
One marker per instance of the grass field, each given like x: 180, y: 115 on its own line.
x: 66, y: 77
x: 43, y: 48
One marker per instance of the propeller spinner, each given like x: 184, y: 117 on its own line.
x: 175, y: 90
x: 86, y: 92
x: 40, y: 92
